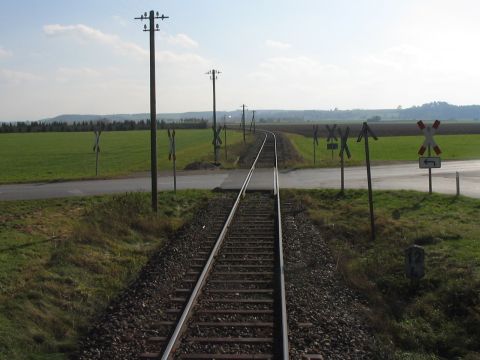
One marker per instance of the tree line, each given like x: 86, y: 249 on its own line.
x: 127, y: 125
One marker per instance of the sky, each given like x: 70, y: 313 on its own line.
x: 92, y: 57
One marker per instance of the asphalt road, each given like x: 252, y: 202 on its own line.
x: 394, y: 177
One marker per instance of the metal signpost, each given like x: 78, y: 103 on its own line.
x: 343, y: 149
x: 153, y: 110
x: 331, y: 138
x: 172, y: 155
x: 213, y: 76
x: 96, y: 148
x: 364, y: 134
x: 225, y: 134
x: 315, y: 143
x: 429, y: 143
x: 217, y: 141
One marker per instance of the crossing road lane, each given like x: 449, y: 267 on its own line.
x: 385, y: 177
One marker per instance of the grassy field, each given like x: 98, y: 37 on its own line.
x: 60, y: 156
x: 389, y: 149
x: 62, y: 261
x: 438, y: 318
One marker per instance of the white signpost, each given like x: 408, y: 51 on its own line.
x: 429, y: 143
x: 429, y: 162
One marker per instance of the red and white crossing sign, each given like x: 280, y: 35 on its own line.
x: 428, y: 132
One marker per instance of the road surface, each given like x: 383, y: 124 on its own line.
x: 385, y: 177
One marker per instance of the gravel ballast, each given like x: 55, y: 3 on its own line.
x: 325, y: 317
x: 121, y: 332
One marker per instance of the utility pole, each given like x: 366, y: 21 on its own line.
x: 252, y: 123
x: 243, y: 121
x: 213, y: 76
x: 153, y: 110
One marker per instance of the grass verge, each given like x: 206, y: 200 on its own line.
x: 387, y: 149
x: 62, y: 261
x: 436, y: 319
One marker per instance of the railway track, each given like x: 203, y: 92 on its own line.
x: 232, y: 301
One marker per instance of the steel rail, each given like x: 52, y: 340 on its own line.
x: 281, y: 265
x: 172, y: 343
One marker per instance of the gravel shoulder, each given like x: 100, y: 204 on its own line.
x: 325, y: 316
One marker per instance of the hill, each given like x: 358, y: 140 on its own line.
x: 434, y: 110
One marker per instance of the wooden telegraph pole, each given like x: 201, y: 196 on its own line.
x: 153, y: 111
x: 243, y: 121
x: 213, y: 76
x: 364, y: 134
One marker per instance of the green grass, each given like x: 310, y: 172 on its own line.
x: 436, y: 319
x: 69, y: 155
x: 388, y: 149
x: 62, y: 261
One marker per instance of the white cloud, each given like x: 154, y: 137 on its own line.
x: 4, y: 53
x: 182, y: 40
x: 16, y: 77
x: 277, y: 44
x: 87, y: 33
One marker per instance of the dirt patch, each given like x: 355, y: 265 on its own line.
x: 325, y: 316
x: 201, y: 165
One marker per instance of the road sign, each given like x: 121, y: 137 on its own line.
x: 96, y: 148
x: 429, y: 162
x: 331, y: 132
x: 415, y: 262
x: 171, y: 150
x: 428, y: 132
x: 332, y: 146
x: 343, y: 142
x: 217, y: 141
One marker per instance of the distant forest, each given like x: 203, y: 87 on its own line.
x: 101, y: 124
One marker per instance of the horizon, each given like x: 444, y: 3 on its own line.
x: 93, y: 57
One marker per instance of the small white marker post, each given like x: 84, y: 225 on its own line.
x: 458, y: 183
x: 96, y: 148
x: 172, y: 155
